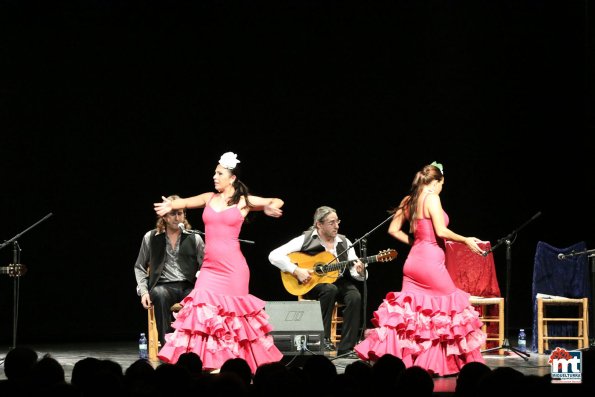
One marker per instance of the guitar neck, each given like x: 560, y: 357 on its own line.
x: 341, y: 265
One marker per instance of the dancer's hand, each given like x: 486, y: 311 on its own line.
x: 471, y: 242
x: 272, y: 211
x: 164, y: 207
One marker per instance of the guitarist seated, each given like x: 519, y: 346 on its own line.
x: 322, y: 241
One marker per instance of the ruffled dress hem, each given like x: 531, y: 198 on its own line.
x: 438, y: 333
x: 220, y: 327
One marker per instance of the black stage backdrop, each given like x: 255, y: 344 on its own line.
x: 107, y: 105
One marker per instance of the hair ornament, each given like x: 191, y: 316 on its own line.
x: 439, y: 166
x: 229, y: 160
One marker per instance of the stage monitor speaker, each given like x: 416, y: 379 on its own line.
x: 295, y: 323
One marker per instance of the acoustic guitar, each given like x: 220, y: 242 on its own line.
x: 324, y: 269
x: 13, y: 270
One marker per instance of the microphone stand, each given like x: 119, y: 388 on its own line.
x: 360, y: 239
x: 574, y: 253
x: 363, y: 242
x: 16, y: 250
x: 508, y: 240
x: 364, y: 253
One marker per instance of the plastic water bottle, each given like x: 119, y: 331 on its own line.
x: 143, y: 351
x: 522, y: 343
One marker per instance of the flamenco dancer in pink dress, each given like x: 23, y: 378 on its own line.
x: 220, y: 319
x: 430, y: 322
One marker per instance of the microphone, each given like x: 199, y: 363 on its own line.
x: 571, y: 255
x: 562, y: 256
x: 488, y: 251
x: 536, y: 216
x: 182, y: 228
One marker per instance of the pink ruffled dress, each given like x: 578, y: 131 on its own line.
x: 430, y: 322
x: 220, y: 319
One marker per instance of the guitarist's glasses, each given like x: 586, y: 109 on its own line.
x: 333, y: 222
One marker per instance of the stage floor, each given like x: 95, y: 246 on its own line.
x: 125, y: 353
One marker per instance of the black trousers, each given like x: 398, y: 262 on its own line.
x: 342, y: 291
x: 163, y: 296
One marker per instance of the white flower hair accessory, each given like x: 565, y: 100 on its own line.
x: 229, y: 160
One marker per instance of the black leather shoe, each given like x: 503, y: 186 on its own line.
x: 328, y: 346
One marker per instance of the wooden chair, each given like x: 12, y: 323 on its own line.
x: 490, y: 316
x: 581, y: 318
x: 153, y: 335
x: 337, y: 323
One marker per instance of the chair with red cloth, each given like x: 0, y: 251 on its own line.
x: 476, y: 275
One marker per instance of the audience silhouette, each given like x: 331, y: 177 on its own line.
x: 385, y: 373
x: 415, y: 381
x: 28, y: 375
x: 18, y: 367
x: 468, y: 379
x: 139, y: 379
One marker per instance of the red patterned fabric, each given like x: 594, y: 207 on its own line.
x: 470, y: 272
